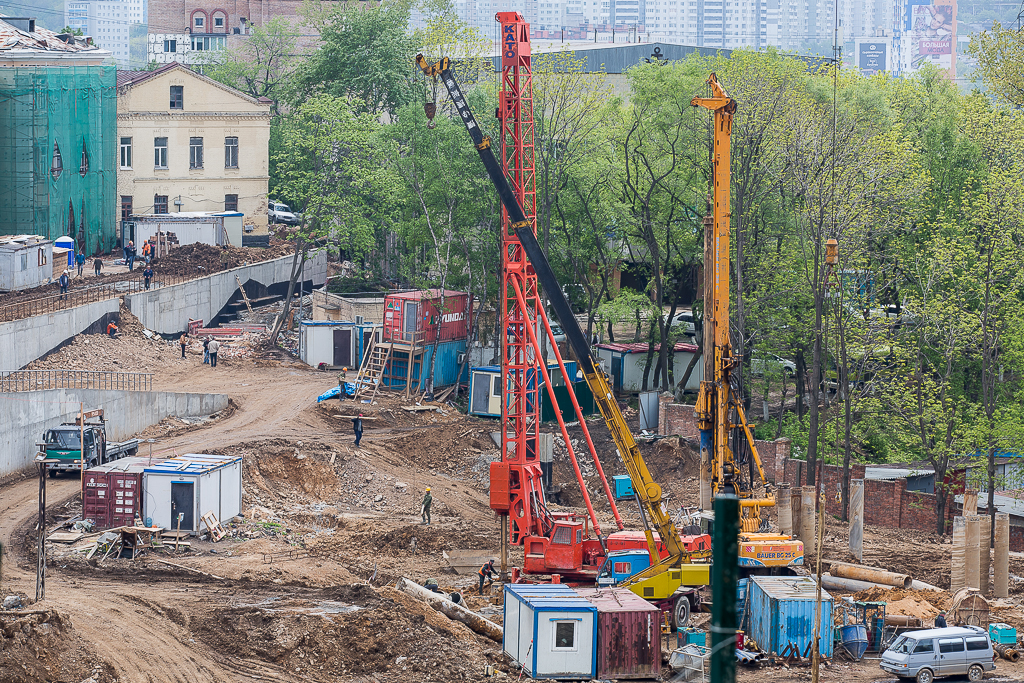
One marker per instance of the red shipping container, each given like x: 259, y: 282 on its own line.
x: 420, y: 317
x: 113, y: 493
x: 628, y: 634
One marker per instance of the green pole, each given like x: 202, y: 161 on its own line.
x: 724, y: 573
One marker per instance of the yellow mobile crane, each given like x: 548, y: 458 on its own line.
x: 718, y: 399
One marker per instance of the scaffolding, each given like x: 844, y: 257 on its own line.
x: 58, y: 153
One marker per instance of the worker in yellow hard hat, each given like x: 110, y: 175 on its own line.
x: 425, y: 508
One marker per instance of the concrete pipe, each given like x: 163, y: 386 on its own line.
x: 902, y: 620
x: 958, y: 563
x: 985, y: 555
x: 1001, y: 570
x: 972, y: 574
x: 808, y: 520
x: 785, y: 509
x: 445, y: 606
x: 862, y: 573
x: 922, y: 586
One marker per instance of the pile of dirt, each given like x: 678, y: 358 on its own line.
x: 44, y: 647
x: 352, y: 631
x: 196, y: 260
x: 278, y: 467
x: 131, y: 352
x: 932, y: 602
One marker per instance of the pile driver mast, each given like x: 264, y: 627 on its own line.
x: 719, y: 399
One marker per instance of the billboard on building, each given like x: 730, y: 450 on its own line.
x: 871, y: 57
x: 931, y: 35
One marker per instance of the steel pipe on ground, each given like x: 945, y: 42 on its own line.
x: 445, y: 606
x: 922, y: 586
x: 861, y: 573
x: 1006, y: 651
x: 836, y: 583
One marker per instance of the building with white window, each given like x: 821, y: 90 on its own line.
x: 188, y: 143
x: 108, y: 22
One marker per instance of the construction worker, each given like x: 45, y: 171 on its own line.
x: 488, y: 571
x: 97, y: 266
x: 341, y: 384
x: 80, y: 262
x: 206, y: 350
x: 64, y: 281
x: 148, y: 273
x: 129, y: 255
x: 111, y: 329
x: 431, y: 585
x: 183, y: 341
x: 425, y: 508
x: 214, y: 347
x: 940, y: 621
x: 357, y: 427
x: 147, y: 251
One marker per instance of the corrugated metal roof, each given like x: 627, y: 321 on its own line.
x: 790, y: 587
x: 642, y: 347
x: 192, y: 463
x: 1008, y: 504
x: 418, y: 294
x: 893, y: 473
x: 616, y: 600
x: 550, y: 596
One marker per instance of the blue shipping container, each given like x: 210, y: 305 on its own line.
x: 445, y: 362
x: 782, y: 610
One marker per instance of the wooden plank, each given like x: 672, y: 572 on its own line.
x: 65, y: 536
x: 418, y: 409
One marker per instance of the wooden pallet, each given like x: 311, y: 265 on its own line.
x: 217, y: 532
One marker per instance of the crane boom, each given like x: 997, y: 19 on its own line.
x: 648, y: 491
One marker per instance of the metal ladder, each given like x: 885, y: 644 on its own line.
x: 370, y: 372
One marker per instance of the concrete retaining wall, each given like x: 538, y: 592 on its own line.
x: 25, y: 415
x: 23, y: 341
x: 167, y: 310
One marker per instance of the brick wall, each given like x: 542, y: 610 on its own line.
x: 886, y: 503
x: 1016, y: 538
x: 173, y: 16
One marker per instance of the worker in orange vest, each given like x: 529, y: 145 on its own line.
x: 488, y: 571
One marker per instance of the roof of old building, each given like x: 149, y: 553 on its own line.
x: 15, y: 37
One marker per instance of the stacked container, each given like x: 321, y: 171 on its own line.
x: 113, y: 493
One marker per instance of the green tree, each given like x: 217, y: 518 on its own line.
x: 330, y: 167
x: 1000, y: 55
x: 261, y: 64
x: 366, y: 54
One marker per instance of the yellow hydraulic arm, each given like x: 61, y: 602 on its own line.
x: 647, y: 491
x: 715, y: 400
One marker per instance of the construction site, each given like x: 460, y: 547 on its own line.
x: 234, y: 473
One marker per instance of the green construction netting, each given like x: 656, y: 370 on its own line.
x: 58, y: 153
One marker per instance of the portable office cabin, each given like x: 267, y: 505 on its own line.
x: 335, y: 343
x: 25, y: 262
x: 625, y: 364
x: 550, y: 631
x: 217, y: 228
x: 628, y: 634
x: 192, y: 484
x: 782, y: 611
x: 485, y: 391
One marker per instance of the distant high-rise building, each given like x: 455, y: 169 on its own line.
x: 108, y: 22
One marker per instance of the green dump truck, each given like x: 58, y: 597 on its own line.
x: 63, y: 444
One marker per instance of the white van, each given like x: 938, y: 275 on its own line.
x: 939, y: 652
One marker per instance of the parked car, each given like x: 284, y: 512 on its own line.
x: 940, y: 652
x: 760, y: 363
x: 281, y: 213
x: 558, y: 333
x: 685, y: 320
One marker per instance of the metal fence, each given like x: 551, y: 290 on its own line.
x: 35, y: 380
x: 88, y: 295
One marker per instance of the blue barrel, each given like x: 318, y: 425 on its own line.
x: 855, y: 640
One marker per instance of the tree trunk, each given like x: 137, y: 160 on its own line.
x: 297, y: 261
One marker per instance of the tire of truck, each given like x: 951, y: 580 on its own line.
x: 681, y: 612
x: 133, y: 451
x: 51, y: 473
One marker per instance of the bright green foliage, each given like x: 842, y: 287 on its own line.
x: 1000, y: 55
x: 366, y: 54
x: 262, y: 64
